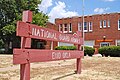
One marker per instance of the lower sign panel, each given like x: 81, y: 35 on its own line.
x: 22, y: 56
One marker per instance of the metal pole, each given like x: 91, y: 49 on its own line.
x: 83, y: 22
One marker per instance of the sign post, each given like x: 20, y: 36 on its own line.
x: 25, y: 56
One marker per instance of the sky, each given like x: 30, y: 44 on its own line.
x: 69, y: 8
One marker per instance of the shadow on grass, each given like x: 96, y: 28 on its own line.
x: 58, y: 78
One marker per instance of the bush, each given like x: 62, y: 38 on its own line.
x: 88, y: 51
x: 104, y: 51
x: 65, y: 48
x: 113, y: 51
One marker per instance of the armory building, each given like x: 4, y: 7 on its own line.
x: 100, y: 29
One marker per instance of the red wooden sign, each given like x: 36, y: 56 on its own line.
x: 37, y: 32
x: 25, y: 56
x: 22, y: 56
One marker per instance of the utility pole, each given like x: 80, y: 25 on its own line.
x: 83, y: 22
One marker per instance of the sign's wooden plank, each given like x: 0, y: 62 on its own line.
x: 37, y: 32
x: 22, y: 56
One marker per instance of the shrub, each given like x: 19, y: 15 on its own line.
x: 113, y: 51
x: 88, y: 51
x: 104, y: 51
x: 65, y: 48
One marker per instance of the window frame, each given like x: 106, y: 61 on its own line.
x: 79, y: 26
x: 102, y: 44
x: 90, y: 26
x: 118, y: 24
x: 104, y: 23
x: 117, y: 42
x: 86, y: 27
x: 100, y: 23
x: 108, y: 23
x: 70, y: 27
x: 60, y: 27
x: 66, y: 28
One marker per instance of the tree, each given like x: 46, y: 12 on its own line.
x: 11, y: 12
x: 40, y: 19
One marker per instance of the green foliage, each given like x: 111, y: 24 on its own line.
x: 7, y: 12
x: 9, y: 29
x: 27, y: 5
x: 89, y: 51
x: 40, y: 19
x: 65, y: 48
x: 113, y: 51
x: 11, y: 12
x: 1, y: 43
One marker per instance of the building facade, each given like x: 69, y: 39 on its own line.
x: 49, y: 44
x: 100, y: 29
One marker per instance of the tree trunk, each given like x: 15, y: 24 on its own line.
x: 6, y: 47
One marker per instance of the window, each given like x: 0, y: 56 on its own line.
x: 104, y: 23
x: 104, y: 44
x: 90, y: 26
x: 119, y: 24
x: 65, y: 28
x: 70, y: 27
x: 101, y: 24
x: 108, y: 23
x: 60, y: 28
x: 117, y: 42
x: 85, y: 26
x: 79, y: 26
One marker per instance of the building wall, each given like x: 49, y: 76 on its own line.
x: 112, y: 33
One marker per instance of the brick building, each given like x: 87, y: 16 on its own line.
x: 100, y: 29
x: 54, y: 27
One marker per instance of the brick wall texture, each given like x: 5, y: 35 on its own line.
x: 97, y: 33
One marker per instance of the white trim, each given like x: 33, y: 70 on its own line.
x: 118, y: 24
x: 58, y: 43
x: 64, y: 29
x: 104, y: 43
x: 70, y: 27
x: 90, y: 26
x: 60, y: 27
x: 79, y: 26
x: 108, y: 23
x: 65, y: 44
x: 89, y: 43
x: 118, y: 42
x: 100, y: 23
x: 115, y: 42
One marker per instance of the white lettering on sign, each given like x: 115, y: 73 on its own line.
x: 66, y: 55
x: 56, y: 55
x: 48, y: 34
x: 35, y: 32
x: 73, y: 39
x: 52, y: 35
x: 43, y: 33
x: 59, y: 55
x: 64, y: 37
